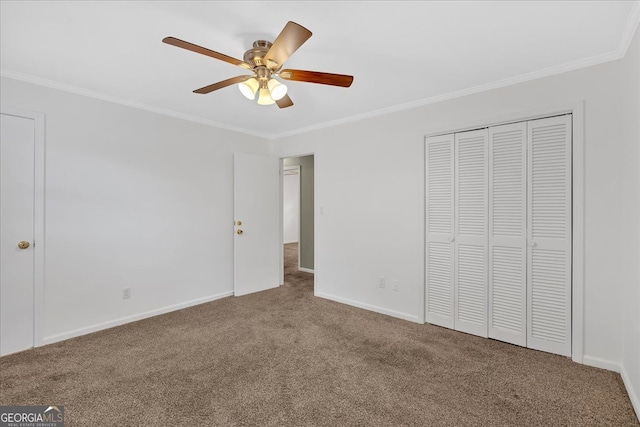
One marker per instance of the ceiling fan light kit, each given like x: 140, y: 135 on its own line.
x: 265, y: 59
x: 264, y: 97
x: 277, y: 89
x: 249, y: 87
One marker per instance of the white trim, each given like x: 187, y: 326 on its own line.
x: 398, y: 314
x: 597, y: 362
x: 281, y: 220
x: 316, y: 208
x: 619, y: 52
x: 422, y: 227
x: 619, y: 368
x: 38, y: 218
x: 578, y: 158
x: 299, y: 169
x: 299, y: 173
x: 577, y: 232
x: 609, y: 365
x: 132, y: 318
x: 315, y: 215
x: 633, y: 396
x: 629, y: 29
x: 123, y: 101
x: 504, y: 119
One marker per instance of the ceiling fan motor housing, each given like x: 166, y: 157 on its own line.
x: 256, y: 55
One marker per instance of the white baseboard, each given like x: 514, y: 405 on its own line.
x: 293, y: 241
x: 633, y: 396
x: 616, y: 367
x: 596, y: 362
x: 307, y: 270
x: 128, y: 319
x: 398, y: 314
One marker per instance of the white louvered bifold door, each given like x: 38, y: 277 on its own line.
x: 549, y: 245
x: 470, y: 244
x: 508, y: 233
x: 439, y: 230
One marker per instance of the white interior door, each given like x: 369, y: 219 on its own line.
x: 508, y: 233
x: 549, y: 218
x: 470, y: 243
x: 17, y: 186
x: 256, y: 199
x: 439, y: 256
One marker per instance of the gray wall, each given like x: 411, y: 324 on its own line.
x: 306, y: 208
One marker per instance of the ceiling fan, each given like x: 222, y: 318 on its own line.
x: 265, y: 60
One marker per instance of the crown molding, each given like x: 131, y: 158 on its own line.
x: 625, y: 40
x: 522, y: 78
x: 29, y: 78
x: 629, y: 29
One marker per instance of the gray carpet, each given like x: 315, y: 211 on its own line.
x: 284, y: 357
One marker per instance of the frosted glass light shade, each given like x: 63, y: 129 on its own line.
x: 249, y: 87
x: 278, y: 90
x: 264, y: 97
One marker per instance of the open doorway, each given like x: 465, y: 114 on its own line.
x: 298, y: 221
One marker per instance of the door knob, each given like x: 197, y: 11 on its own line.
x: 533, y: 244
x: 239, y: 231
x: 452, y: 239
x: 23, y: 245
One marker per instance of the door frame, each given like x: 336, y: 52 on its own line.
x: 315, y: 216
x: 297, y: 168
x: 576, y: 109
x: 38, y: 217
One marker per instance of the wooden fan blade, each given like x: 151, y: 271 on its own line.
x: 220, y: 85
x: 317, y: 77
x: 284, y: 102
x: 288, y: 41
x: 204, y: 51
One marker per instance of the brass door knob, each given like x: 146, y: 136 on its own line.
x: 239, y: 231
x: 23, y: 245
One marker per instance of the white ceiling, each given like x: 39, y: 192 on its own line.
x: 402, y: 54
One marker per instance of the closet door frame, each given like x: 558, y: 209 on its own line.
x: 578, y: 153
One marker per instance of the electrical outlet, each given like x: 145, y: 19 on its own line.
x: 381, y: 281
x: 126, y: 293
x: 395, y: 285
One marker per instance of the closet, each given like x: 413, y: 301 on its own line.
x: 498, y: 232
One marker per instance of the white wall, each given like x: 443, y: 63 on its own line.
x: 291, y: 208
x: 373, y: 219
x: 631, y: 211
x: 133, y: 199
